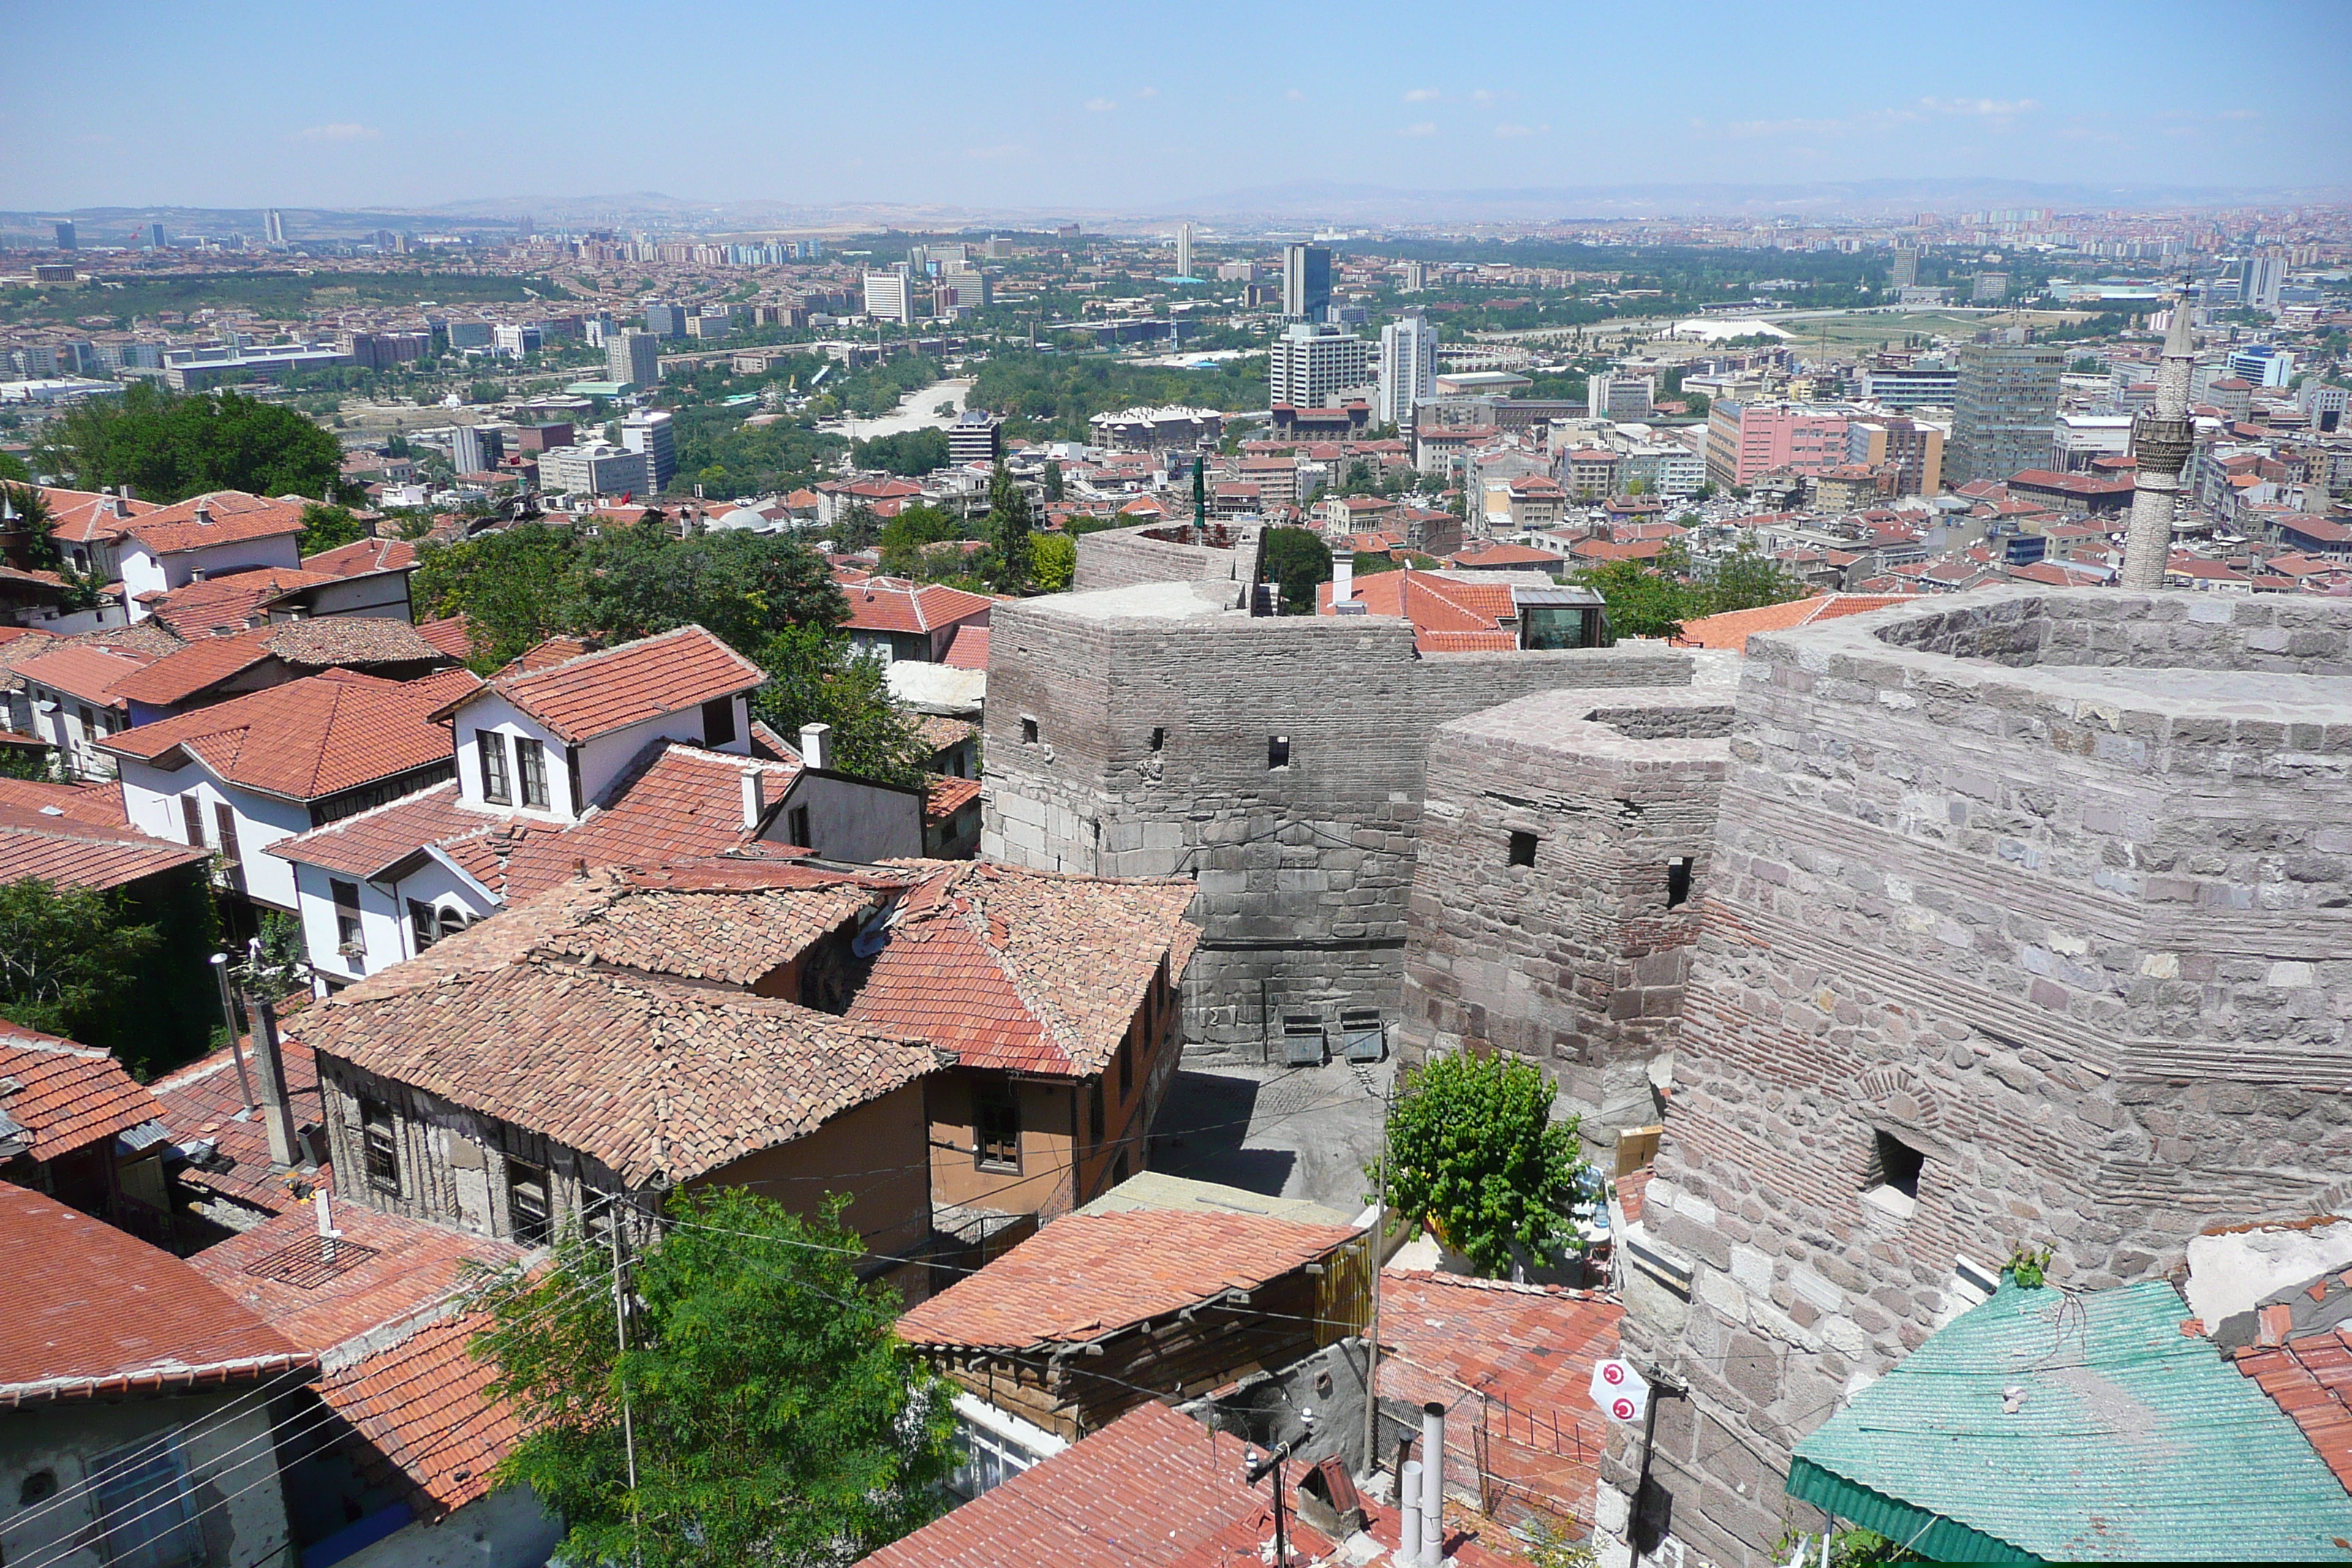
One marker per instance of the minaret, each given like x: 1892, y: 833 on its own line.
x: 2161, y: 439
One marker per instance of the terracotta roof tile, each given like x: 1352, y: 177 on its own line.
x: 675, y: 802
x: 76, y: 853
x: 97, y: 804
x: 944, y: 796
x: 308, y: 738
x: 593, y: 694
x: 85, y: 517
x: 308, y: 645
x: 65, y: 1095
x: 1732, y: 628
x: 1433, y: 600
x: 1087, y: 1275
x: 1029, y: 971
x: 895, y: 605
x: 26, y: 643
x: 86, y: 673
x: 426, y: 1406
x: 203, y: 609
x: 220, y: 517
x: 363, y: 556
x: 2302, y: 1360
x: 202, y: 1101
x: 448, y: 635
x: 969, y: 650
x: 90, y: 1312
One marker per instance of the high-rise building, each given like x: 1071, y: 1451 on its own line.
x: 633, y: 358
x: 890, y: 296
x: 2263, y: 364
x: 2004, y: 410
x: 1319, y: 366
x: 1990, y: 286
x: 475, y: 449
x: 976, y: 437
x: 513, y: 340
x: 2261, y: 277
x: 155, y: 236
x: 648, y: 431
x: 1621, y: 396
x: 1305, y: 282
x: 1416, y: 277
x: 65, y: 240
x: 273, y: 226
x: 665, y: 320
x: 1183, y: 250
x: 962, y: 286
x: 1903, y: 272
x: 593, y: 470
x: 1408, y: 367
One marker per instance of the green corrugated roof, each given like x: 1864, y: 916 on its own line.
x: 2134, y: 1442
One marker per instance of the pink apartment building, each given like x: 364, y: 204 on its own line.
x: 1746, y: 439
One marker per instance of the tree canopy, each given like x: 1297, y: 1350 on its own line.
x: 1298, y: 559
x: 169, y: 447
x: 120, y: 973
x: 1471, y: 1147
x: 909, y: 452
x: 777, y: 1417
x: 1655, y: 599
x: 815, y: 676
x: 1008, y: 532
x: 1053, y: 562
x: 329, y: 528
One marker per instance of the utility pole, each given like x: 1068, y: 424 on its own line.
x: 1372, y: 1339
x: 621, y: 1334
x: 228, y: 1016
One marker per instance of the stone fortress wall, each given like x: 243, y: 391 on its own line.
x: 2028, y: 922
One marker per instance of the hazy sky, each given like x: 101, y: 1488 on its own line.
x: 1143, y: 106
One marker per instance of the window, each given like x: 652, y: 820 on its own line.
x: 1095, y: 1110
x: 89, y: 719
x: 1523, y: 849
x: 1028, y: 731
x: 989, y: 1459
x: 349, y: 939
x: 796, y: 828
x: 531, y: 772
x: 1679, y: 875
x: 380, y: 1147
x: 1277, y: 751
x: 719, y: 722
x: 526, y: 1212
x: 192, y: 818
x: 141, y: 1494
x: 225, y: 823
x: 1159, y: 739
x: 1126, y: 1063
x: 1896, y: 1165
x: 492, y: 747
x: 425, y: 921
x: 996, y: 1129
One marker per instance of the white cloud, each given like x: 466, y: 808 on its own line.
x: 1099, y: 106
x: 341, y: 132
x: 1425, y: 128
x: 1147, y: 92
x: 1493, y: 94
x: 1421, y: 95
x: 1295, y: 96
x: 1989, y: 108
x: 1507, y: 132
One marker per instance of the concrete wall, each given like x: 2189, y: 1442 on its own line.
x: 1302, y: 868
x: 151, y: 799
x: 2048, y: 887
x: 508, y: 1529
x: 1575, y: 961
x: 1122, y: 557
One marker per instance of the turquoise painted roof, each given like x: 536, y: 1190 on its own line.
x: 2134, y: 1441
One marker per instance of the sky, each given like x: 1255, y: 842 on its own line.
x: 1113, y: 107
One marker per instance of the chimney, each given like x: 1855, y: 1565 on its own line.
x: 817, y: 745
x: 754, y: 801
x: 1408, y: 1551
x: 277, y: 1115
x: 203, y: 512
x: 1433, y: 1484
x: 1343, y: 579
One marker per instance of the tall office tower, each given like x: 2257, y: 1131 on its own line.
x: 1305, y: 282
x: 1183, y: 250
x: 2262, y: 277
x: 633, y: 357
x: 475, y: 450
x: 1314, y: 367
x: 890, y: 296
x: 1408, y: 367
x: 665, y: 320
x: 273, y: 226
x: 66, y: 234
x: 2162, y: 437
x: 155, y: 236
x: 648, y: 431
x: 2004, y: 410
x: 1621, y: 396
x: 1905, y: 272
x: 1416, y: 277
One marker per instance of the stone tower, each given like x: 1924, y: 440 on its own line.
x: 2161, y: 438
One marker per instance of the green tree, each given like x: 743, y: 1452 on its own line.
x: 72, y: 961
x: 1473, y: 1149
x: 1748, y: 578
x: 329, y: 528
x: 1008, y: 532
x: 1055, y: 560
x: 904, y: 536
x: 13, y: 470
x: 169, y: 448
x: 1297, y: 559
x: 1643, y: 603
x: 815, y: 676
x: 777, y: 1417
x: 31, y: 762
x: 1052, y: 479
x: 908, y: 453
x: 742, y: 587
x: 515, y: 588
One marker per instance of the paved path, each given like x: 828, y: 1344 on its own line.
x: 1303, y: 1132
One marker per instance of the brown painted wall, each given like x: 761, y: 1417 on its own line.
x: 874, y: 1152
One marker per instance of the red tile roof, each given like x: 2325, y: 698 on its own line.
x: 81, y: 671
x: 363, y: 556
x: 226, y: 603
x: 2302, y: 1360
x: 969, y: 650
x: 202, y: 1101
x: 65, y: 1095
x: 426, y: 1406
x: 944, y: 796
x: 76, y: 853
x: 394, y: 1269
x: 895, y: 605
x: 675, y: 802
x: 1450, y: 613
x: 448, y: 635
x: 308, y: 738
x: 1732, y: 628
x: 597, y: 693
x: 93, y: 1313
x: 1089, y: 1275
x: 655, y: 1077
x: 1494, y: 555
x: 308, y: 645
x: 85, y: 517
x: 98, y: 804
x: 219, y: 517
x: 1029, y: 971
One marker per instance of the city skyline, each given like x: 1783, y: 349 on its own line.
x: 1065, y: 107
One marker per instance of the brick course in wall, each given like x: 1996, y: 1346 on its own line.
x: 1305, y: 867
x: 2050, y: 889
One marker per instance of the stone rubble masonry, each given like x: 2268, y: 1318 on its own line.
x: 1577, y: 961
x: 1304, y: 869
x: 1123, y: 557
x: 2052, y: 888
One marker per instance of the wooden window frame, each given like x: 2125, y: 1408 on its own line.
x: 722, y: 709
x: 996, y: 1101
x: 531, y: 775
x: 498, y: 780
x: 380, y: 1147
